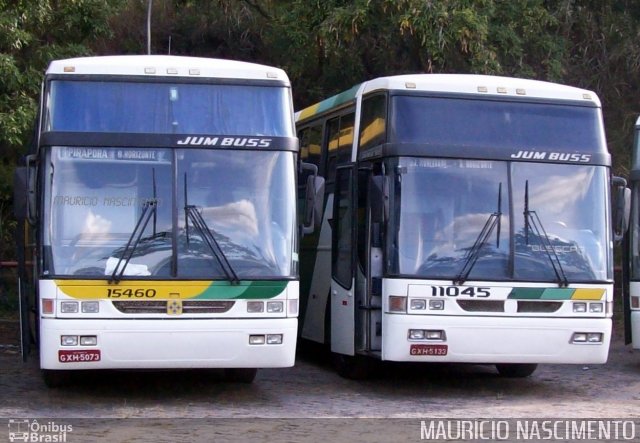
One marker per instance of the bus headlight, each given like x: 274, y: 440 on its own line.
x: 69, y: 340
x: 594, y: 337
x: 587, y: 337
x: 418, y: 304
x: 436, y: 305
x: 88, y: 340
x: 255, y: 306
x: 275, y: 306
x: 90, y: 307
x: 596, y: 308
x: 69, y: 307
x: 274, y: 339
x: 579, y: 307
x: 256, y: 339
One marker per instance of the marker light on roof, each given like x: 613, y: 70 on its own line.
x: 194, y: 71
x: 502, y: 90
x: 410, y: 85
x: 482, y: 89
x: 172, y: 71
x: 272, y: 75
x: 69, y: 69
x: 586, y: 96
x: 521, y: 91
x: 149, y: 70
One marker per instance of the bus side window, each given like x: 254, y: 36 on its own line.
x: 332, y: 141
x: 373, y: 121
x: 310, y: 143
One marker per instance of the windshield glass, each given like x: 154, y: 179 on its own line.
x: 496, y: 124
x: 97, y: 196
x: 168, y: 108
x: 441, y: 207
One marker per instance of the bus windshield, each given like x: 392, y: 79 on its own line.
x: 96, y: 196
x: 168, y: 108
x: 442, y: 206
x: 496, y: 124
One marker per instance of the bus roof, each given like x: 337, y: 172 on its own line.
x: 485, y: 85
x: 166, y: 66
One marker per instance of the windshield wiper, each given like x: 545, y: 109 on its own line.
x: 192, y: 213
x: 148, y: 210
x: 532, y: 221
x: 473, y: 254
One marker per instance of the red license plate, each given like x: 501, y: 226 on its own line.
x: 79, y: 356
x: 432, y: 350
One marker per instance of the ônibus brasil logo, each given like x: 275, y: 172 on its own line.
x: 25, y: 430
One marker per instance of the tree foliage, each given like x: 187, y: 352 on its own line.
x: 32, y: 33
x: 328, y: 45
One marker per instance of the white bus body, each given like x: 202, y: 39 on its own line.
x: 466, y: 219
x: 162, y: 212
x: 632, y: 246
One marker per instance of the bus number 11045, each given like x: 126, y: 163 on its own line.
x: 455, y: 291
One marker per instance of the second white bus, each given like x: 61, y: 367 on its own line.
x: 466, y: 219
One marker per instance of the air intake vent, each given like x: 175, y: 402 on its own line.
x: 482, y: 305
x: 160, y: 306
x: 538, y: 306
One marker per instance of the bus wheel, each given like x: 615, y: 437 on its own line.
x: 353, y: 367
x: 516, y: 370
x: 240, y: 375
x: 56, y: 379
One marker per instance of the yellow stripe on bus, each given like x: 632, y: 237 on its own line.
x: 131, y: 289
x: 588, y: 294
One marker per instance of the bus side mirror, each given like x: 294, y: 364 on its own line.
x: 621, y: 208
x: 24, y: 191
x: 313, y: 199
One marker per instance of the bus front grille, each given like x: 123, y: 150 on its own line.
x: 160, y: 306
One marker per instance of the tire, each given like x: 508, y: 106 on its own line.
x: 56, y: 379
x: 516, y: 370
x: 240, y: 375
x: 354, y: 367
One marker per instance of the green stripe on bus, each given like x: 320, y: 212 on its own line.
x: 243, y: 290
x: 541, y: 293
x: 329, y: 103
x: 557, y: 294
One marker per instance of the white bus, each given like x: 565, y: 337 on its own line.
x: 160, y: 217
x: 631, y: 265
x: 466, y: 219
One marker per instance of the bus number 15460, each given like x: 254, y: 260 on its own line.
x: 130, y: 293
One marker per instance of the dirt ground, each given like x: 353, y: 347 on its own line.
x: 310, y: 402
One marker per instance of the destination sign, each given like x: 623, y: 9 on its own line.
x: 113, y: 154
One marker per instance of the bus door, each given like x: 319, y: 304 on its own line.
x: 24, y: 211
x: 342, y: 302
x: 369, y: 262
